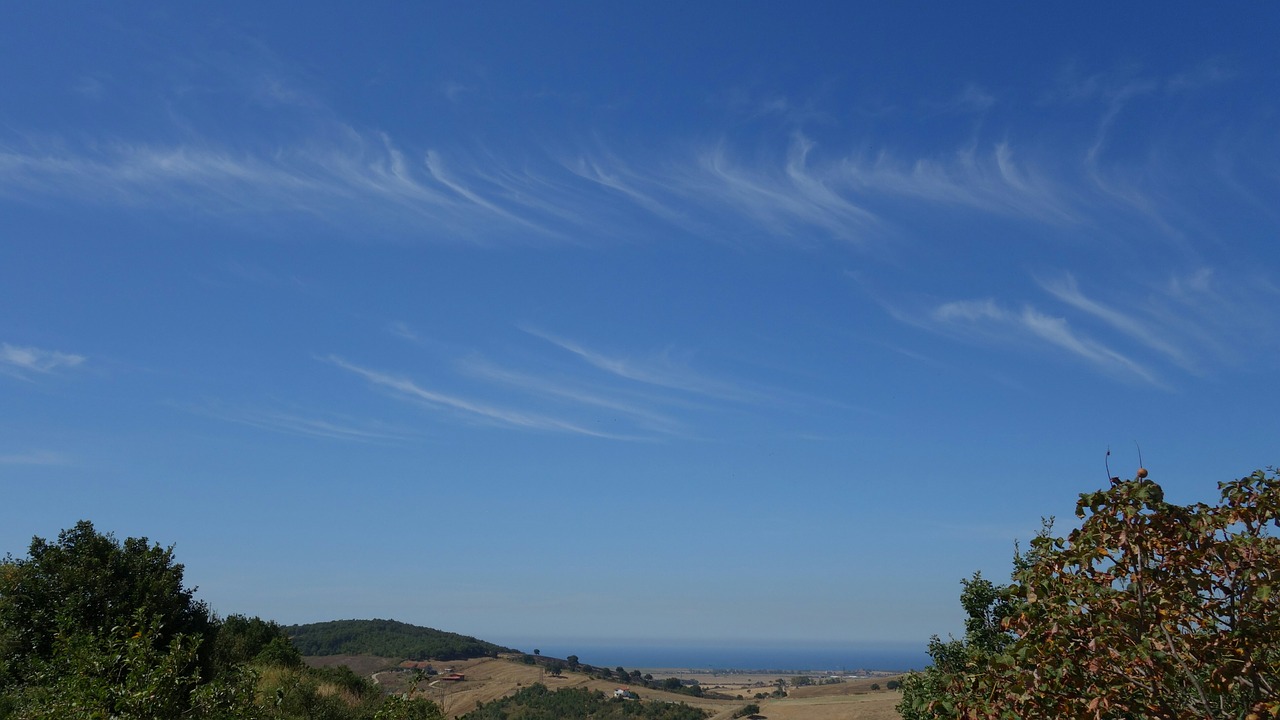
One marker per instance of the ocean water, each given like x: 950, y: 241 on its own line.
x: 792, y: 658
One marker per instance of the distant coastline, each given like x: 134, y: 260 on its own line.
x: 781, y: 659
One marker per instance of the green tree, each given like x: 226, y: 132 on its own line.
x: 87, y: 594
x: 241, y: 639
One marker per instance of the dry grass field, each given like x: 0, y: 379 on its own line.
x: 488, y: 679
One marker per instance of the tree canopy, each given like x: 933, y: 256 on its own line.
x: 1147, y: 610
x: 88, y: 584
x: 94, y: 628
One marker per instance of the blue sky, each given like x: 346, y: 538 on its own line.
x: 717, y: 322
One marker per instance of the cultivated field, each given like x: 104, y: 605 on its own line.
x: 489, y: 679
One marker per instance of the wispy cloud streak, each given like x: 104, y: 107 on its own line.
x: 410, y: 390
x: 784, y: 199
x: 993, y: 182
x: 17, y: 360
x: 295, y: 424
x: 642, y: 416
x: 989, y: 319
x: 660, y: 372
x: 1067, y: 290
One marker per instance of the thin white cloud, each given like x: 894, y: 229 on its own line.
x: 787, y: 188
x: 992, y: 182
x: 91, y: 87
x: 642, y: 416
x: 408, y: 389
x: 1067, y: 290
x: 974, y: 99
x: 402, y: 330
x: 787, y: 199
x: 655, y: 371
x: 613, y: 174
x: 1058, y: 331
x: 1217, y: 316
x: 436, y: 167
x: 17, y: 360
x: 272, y: 90
x: 295, y: 424
x: 717, y: 192
x: 971, y: 310
x: 325, y: 177
x: 986, y: 320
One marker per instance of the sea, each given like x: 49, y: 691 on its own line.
x: 782, y: 658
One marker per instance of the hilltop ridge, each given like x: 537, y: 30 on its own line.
x: 387, y: 638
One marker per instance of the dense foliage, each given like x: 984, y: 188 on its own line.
x: 387, y: 638
x: 536, y: 702
x: 88, y: 585
x: 1148, y: 610
x: 92, y: 628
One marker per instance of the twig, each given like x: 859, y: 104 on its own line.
x: 1195, y: 682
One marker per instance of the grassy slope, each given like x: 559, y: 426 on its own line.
x: 489, y: 679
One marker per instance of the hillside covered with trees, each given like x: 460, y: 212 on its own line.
x: 387, y: 638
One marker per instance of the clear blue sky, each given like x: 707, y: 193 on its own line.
x: 706, y: 321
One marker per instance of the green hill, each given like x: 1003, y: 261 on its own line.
x: 387, y: 638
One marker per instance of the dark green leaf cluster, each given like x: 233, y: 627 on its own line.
x: 243, y: 639
x: 93, y: 628
x: 387, y: 638
x: 536, y: 702
x: 88, y: 584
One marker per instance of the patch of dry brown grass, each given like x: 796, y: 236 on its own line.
x: 490, y: 679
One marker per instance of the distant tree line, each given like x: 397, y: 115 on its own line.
x: 556, y: 666
x: 387, y: 638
